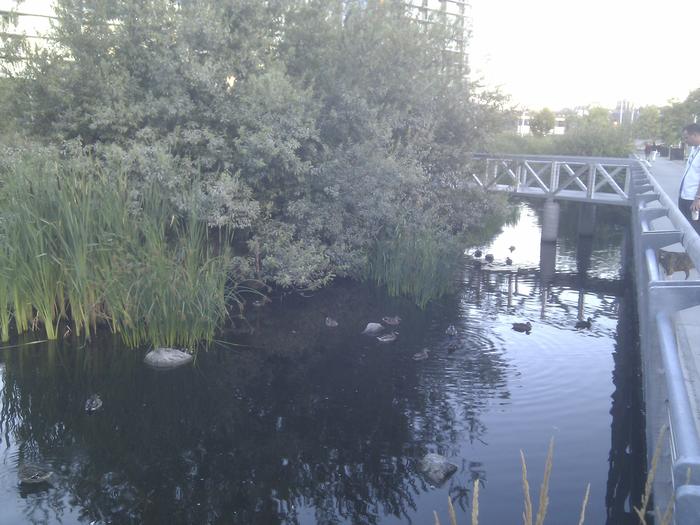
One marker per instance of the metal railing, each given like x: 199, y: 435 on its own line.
x: 586, y: 179
x: 665, y: 386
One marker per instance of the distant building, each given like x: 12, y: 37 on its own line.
x: 625, y: 112
x: 454, y: 14
x: 30, y: 19
x: 523, y: 126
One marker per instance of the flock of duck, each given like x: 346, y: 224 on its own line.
x: 489, y: 258
x: 390, y: 323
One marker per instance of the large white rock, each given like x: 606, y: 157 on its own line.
x: 373, y: 329
x: 436, y: 468
x: 165, y: 358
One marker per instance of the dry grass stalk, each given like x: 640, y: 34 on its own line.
x: 437, y: 520
x: 451, y: 510
x: 475, y: 503
x: 642, y: 511
x: 544, y: 489
x: 527, y: 513
x: 668, y: 515
x: 585, y: 503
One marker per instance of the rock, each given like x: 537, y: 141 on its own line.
x: 436, y: 468
x: 166, y: 358
x: 373, y: 329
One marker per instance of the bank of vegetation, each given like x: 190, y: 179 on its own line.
x: 158, y: 154
x: 591, y: 135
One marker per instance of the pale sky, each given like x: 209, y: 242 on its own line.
x: 564, y: 53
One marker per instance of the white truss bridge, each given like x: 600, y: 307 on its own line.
x: 597, y: 180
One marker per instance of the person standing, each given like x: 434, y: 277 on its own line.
x: 689, y: 195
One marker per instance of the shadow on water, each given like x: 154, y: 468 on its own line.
x: 301, y: 423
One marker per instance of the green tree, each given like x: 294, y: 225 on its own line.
x: 316, y: 130
x: 542, y: 122
x: 648, y: 123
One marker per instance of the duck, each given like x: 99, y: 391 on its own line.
x: 373, y: 329
x: 451, y: 330
x: 584, y: 324
x: 509, y: 261
x: 452, y: 349
x: 388, y: 338
x: 93, y: 403
x: 392, y: 321
x: 33, y: 474
x: 422, y: 355
x: 512, y: 249
x: 259, y: 303
x: 523, y: 327
x: 331, y: 323
x: 488, y: 258
x: 477, y: 254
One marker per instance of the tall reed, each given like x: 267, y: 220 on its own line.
x: 78, y: 244
x: 416, y: 262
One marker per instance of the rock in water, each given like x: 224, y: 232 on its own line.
x: 436, y: 468
x: 166, y: 358
x: 373, y: 329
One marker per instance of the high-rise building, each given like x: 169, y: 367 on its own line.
x: 454, y: 14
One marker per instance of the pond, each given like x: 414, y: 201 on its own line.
x: 301, y: 423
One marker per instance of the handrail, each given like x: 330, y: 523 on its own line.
x: 584, y: 179
x: 659, y: 300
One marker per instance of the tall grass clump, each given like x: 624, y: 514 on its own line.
x: 416, y: 262
x: 79, y: 246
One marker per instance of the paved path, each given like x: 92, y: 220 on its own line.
x: 668, y: 174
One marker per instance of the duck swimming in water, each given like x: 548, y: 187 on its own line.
x: 394, y: 320
x: 331, y: 323
x: 509, y: 261
x: 422, y: 355
x: 512, y: 249
x: 33, y: 474
x: 522, y: 327
x: 581, y: 325
x: 477, y: 254
x: 388, y: 338
x: 451, y: 330
x: 93, y: 403
x: 488, y: 258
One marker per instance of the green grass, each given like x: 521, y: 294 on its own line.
x: 79, y: 246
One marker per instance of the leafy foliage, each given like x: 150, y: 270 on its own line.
x: 590, y: 135
x: 542, y: 122
x: 307, y: 127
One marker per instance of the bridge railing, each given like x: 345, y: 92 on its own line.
x: 592, y: 179
x: 666, y: 372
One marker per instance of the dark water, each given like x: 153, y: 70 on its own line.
x: 305, y: 424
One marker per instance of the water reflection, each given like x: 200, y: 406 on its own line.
x: 322, y: 419
x: 299, y: 423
